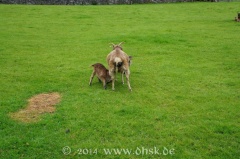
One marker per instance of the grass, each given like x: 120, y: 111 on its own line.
x: 185, y: 80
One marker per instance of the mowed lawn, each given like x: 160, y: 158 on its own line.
x: 185, y: 78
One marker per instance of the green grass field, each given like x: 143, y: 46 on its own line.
x: 185, y: 78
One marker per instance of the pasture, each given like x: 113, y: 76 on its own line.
x: 185, y: 78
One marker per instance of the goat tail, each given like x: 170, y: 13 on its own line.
x: 118, y: 63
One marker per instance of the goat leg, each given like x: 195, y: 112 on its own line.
x: 113, y: 87
x: 128, y: 82
x: 91, y: 78
x: 129, y: 87
x: 113, y: 80
x: 104, y: 84
x: 112, y: 74
x: 122, y: 77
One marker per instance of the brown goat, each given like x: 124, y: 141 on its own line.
x: 118, y: 61
x: 102, y: 74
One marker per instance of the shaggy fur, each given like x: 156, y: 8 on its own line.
x: 102, y: 74
x: 118, y: 61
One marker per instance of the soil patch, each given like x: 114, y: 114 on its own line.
x: 37, y: 105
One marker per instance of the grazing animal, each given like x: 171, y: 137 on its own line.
x: 102, y: 74
x: 118, y: 61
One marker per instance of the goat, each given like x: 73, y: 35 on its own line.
x: 118, y: 61
x: 102, y: 74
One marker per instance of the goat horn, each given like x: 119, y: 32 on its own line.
x: 120, y: 43
x: 112, y: 44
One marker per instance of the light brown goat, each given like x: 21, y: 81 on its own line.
x: 102, y: 74
x: 118, y: 61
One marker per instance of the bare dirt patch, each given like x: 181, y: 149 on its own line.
x: 37, y: 105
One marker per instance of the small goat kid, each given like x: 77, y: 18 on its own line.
x: 102, y: 74
x: 118, y: 61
